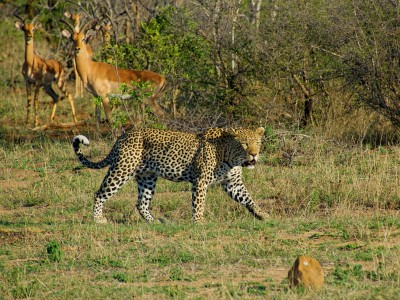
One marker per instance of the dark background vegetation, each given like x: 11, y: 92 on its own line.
x: 328, y: 66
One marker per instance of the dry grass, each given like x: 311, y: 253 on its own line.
x: 337, y: 204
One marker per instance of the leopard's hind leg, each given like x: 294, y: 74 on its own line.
x: 116, y: 177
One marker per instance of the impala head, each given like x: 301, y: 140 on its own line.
x: 80, y: 39
x: 107, y: 27
x: 80, y: 36
x: 28, y: 29
x: 106, y: 31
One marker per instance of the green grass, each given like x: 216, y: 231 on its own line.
x: 339, y: 213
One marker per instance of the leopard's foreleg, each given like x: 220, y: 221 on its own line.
x: 146, y: 188
x: 199, y: 190
x: 237, y: 191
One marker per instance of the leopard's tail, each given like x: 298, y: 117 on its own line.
x: 81, y: 139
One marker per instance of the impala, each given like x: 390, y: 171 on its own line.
x: 101, y: 79
x: 106, y: 32
x: 76, y: 21
x: 39, y: 72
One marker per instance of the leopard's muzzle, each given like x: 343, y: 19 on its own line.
x: 250, y: 162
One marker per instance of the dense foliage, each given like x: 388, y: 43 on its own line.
x: 293, y: 62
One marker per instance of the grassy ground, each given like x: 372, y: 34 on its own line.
x: 339, y: 204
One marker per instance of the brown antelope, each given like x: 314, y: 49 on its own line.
x: 106, y: 32
x: 102, y: 79
x: 76, y: 28
x: 39, y: 72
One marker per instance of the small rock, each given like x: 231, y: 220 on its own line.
x: 307, y: 272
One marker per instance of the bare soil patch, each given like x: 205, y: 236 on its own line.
x: 17, y: 178
x: 14, y: 236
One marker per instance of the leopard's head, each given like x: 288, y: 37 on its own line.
x: 250, y: 145
x: 237, y: 146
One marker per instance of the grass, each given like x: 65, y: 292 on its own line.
x: 338, y: 205
x: 335, y: 202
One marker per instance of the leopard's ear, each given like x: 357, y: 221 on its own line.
x: 260, y: 131
x: 231, y: 131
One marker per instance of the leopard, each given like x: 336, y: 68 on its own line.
x: 215, y: 155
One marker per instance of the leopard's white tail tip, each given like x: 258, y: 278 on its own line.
x: 81, y: 139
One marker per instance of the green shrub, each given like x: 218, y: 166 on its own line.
x: 54, y: 252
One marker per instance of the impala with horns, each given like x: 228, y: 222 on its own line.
x: 102, y: 79
x: 76, y: 21
x: 39, y: 72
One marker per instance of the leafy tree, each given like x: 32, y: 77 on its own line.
x: 169, y: 44
x: 371, y: 57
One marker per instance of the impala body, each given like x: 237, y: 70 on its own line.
x: 101, y: 79
x: 39, y: 72
x: 76, y: 20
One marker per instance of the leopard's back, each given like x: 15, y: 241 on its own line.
x: 169, y: 154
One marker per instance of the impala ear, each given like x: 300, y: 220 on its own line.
x: 68, y: 15
x: 19, y: 25
x: 66, y: 33
x: 38, y: 26
x: 89, y: 34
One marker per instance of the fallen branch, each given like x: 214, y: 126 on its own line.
x: 59, y: 125
x: 119, y: 96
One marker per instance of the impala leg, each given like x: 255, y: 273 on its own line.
x: 71, y: 102
x: 50, y: 91
x: 81, y: 87
x: 53, y: 111
x: 152, y: 101
x: 107, y: 109
x: 28, y: 101
x: 97, y: 113
x: 78, y: 82
x: 36, y: 104
x: 61, y: 86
